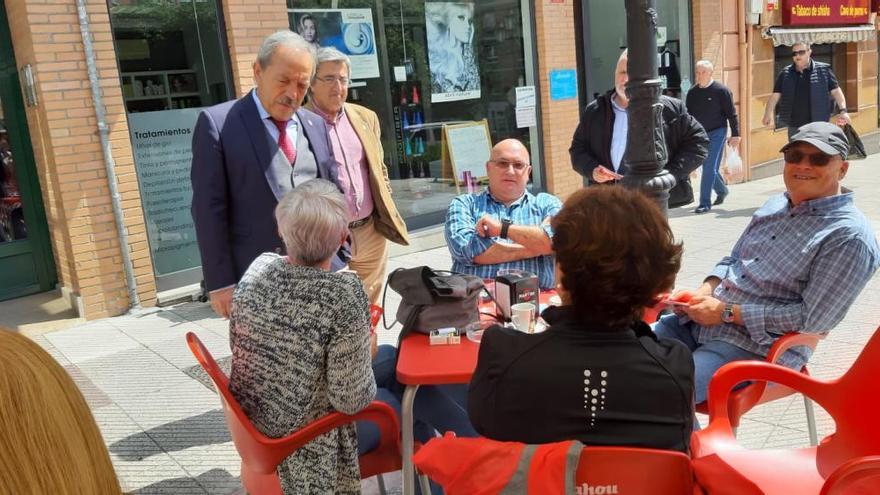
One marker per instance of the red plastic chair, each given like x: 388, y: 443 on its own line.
x: 742, y: 400
x: 634, y: 470
x: 261, y: 455
x: 857, y: 477
x: 851, y: 400
x: 375, y: 316
x: 485, y: 467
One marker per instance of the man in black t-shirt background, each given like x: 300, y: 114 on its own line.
x: 803, y: 92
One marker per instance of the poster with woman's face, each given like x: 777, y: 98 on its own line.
x: 452, y: 57
x: 348, y: 30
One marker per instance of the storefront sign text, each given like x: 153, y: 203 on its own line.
x: 825, y: 12
x: 162, y: 144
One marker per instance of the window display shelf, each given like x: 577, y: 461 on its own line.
x: 160, y: 90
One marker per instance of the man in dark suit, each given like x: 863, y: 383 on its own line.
x: 247, y: 154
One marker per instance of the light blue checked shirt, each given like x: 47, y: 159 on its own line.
x: 464, y: 243
x: 794, y: 269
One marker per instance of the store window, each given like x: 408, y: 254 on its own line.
x: 420, y: 65
x: 605, y: 22
x: 172, y: 61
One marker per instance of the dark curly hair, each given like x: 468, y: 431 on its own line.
x: 616, y: 253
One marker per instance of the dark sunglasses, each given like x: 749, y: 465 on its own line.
x: 797, y: 156
x: 795, y: 53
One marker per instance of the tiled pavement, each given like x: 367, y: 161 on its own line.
x: 165, y: 431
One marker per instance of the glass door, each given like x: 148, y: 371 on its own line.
x: 26, y: 264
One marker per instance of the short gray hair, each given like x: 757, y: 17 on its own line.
x: 312, y: 220
x: 330, y: 54
x: 705, y: 64
x: 287, y: 38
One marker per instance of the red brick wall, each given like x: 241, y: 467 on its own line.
x: 247, y: 24
x: 556, y: 50
x: 69, y: 157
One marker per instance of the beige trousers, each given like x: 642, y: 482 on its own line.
x: 369, y: 256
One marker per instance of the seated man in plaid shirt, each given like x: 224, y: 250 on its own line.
x: 505, y: 226
x: 798, y: 267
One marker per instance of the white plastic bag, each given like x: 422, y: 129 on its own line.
x: 733, y: 165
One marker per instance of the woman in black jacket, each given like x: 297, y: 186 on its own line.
x: 597, y: 374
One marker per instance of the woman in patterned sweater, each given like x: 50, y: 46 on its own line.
x: 301, y: 342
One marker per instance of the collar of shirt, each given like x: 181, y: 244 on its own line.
x: 808, y: 68
x: 820, y: 207
x: 615, y: 105
x: 292, y: 124
x: 522, y: 199
x: 327, y: 118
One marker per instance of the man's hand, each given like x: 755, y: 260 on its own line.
x: 843, y: 119
x: 768, y: 122
x: 705, y: 310
x: 221, y: 301
x: 733, y: 142
x: 488, y: 226
x: 602, y: 174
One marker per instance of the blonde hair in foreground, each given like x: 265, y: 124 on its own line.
x: 49, y: 442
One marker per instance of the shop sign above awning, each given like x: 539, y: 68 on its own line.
x: 816, y: 36
x: 825, y: 12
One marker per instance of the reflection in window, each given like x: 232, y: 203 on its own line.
x: 12, y: 226
x: 435, y: 63
x: 170, y: 54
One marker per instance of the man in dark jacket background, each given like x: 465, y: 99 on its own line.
x: 599, y: 141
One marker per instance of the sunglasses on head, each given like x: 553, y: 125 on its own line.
x: 797, y: 156
x: 795, y: 53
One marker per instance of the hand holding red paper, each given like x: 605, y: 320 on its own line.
x: 705, y: 310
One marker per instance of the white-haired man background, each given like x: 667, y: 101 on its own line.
x: 711, y: 103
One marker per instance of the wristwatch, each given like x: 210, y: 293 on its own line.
x: 727, y: 314
x: 505, y: 225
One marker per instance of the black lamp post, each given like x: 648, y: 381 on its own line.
x: 646, y: 152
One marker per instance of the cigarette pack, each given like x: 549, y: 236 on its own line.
x: 444, y: 336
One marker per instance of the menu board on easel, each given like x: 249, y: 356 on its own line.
x: 466, y: 148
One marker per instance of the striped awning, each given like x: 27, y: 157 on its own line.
x: 788, y: 36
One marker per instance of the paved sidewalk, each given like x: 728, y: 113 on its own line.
x: 166, y: 433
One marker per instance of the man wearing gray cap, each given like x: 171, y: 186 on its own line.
x: 798, y: 267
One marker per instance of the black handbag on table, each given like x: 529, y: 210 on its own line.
x: 434, y: 299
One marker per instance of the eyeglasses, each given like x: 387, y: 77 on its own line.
x: 504, y: 165
x: 797, y: 156
x: 333, y: 80
x: 795, y: 53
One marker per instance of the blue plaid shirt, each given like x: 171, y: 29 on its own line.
x: 464, y: 243
x: 794, y: 269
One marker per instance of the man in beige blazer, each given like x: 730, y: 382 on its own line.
x: 354, y: 134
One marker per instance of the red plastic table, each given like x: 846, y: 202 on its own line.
x: 419, y: 363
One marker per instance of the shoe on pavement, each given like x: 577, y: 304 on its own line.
x: 719, y: 200
x: 702, y: 209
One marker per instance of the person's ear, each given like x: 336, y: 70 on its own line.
x: 844, y: 167
x: 258, y: 72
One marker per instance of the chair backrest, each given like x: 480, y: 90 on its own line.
x: 249, y: 442
x: 607, y: 470
x: 860, y: 476
x: 853, y: 402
